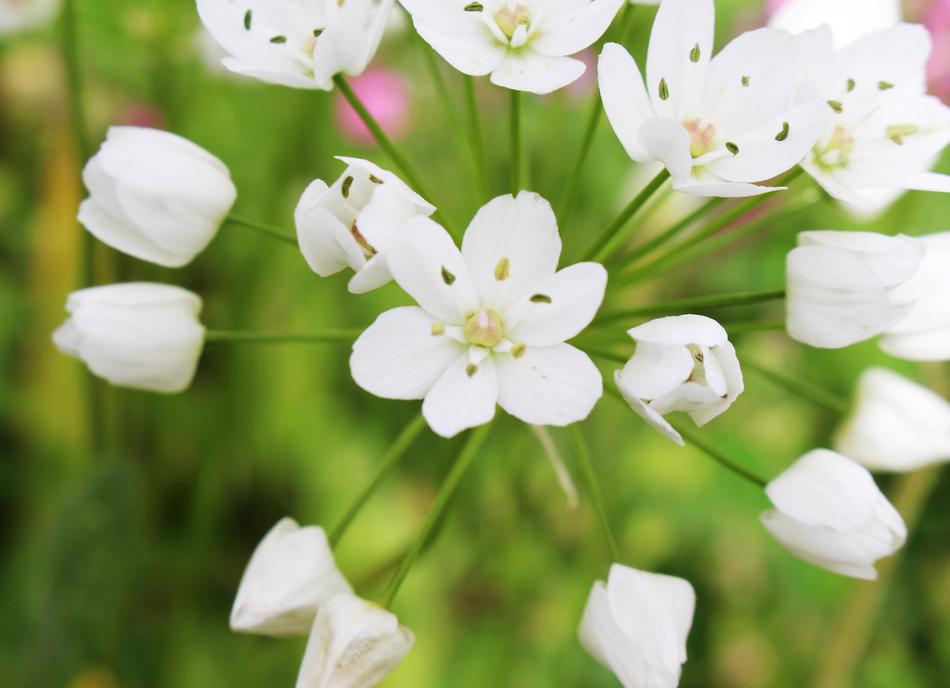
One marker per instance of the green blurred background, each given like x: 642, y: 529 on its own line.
x: 118, y: 567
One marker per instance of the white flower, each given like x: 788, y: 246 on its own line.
x: 841, y: 286
x: 351, y: 223
x: 829, y: 512
x: 885, y: 133
x: 297, y: 43
x: 353, y: 644
x: 718, y: 124
x: 524, y: 44
x: 924, y: 333
x: 897, y: 425
x: 140, y: 335
x: 682, y: 363
x: 19, y: 15
x: 291, y: 573
x: 636, y: 625
x: 155, y: 195
x: 849, y: 20
x: 492, y: 323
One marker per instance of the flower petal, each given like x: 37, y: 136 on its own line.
x: 462, y: 38
x: 680, y: 49
x: 681, y: 330
x: 646, y: 413
x: 668, y: 141
x: 536, y: 73
x: 463, y: 398
x: 575, y: 27
x: 625, y: 98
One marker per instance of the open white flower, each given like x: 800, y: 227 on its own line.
x: 924, y: 333
x: 896, y: 425
x: 849, y: 20
x: 351, y: 223
x: 637, y: 624
x: 829, y: 512
x: 297, y: 43
x: 682, y: 363
x: 291, y: 573
x: 842, y: 286
x: 139, y: 335
x: 492, y: 323
x: 885, y: 132
x: 524, y: 44
x: 718, y: 124
x: 353, y: 644
x: 155, y: 195
x: 20, y: 15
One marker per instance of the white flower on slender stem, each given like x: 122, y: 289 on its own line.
x: 718, y: 124
x: 924, y: 333
x: 829, y: 512
x: 297, y: 43
x: 897, y: 424
x: 842, y: 286
x: 637, y: 624
x: 155, y: 195
x: 140, y: 335
x: 491, y: 323
x: 524, y: 44
x: 353, y: 644
x: 682, y: 363
x: 291, y: 573
x: 20, y: 15
x: 351, y: 223
x: 885, y: 133
x: 849, y: 20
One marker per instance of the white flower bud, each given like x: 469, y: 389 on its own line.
x: 636, y: 625
x: 897, y: 425
x: 155, y: 195
x: 353, y: 644
x: 140, y: 335
x: 829, y: 512
x: 682, y: 363
x: 291, y: 573
x: 842, y: 286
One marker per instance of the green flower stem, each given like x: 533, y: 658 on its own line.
x: 388, y: 146
x: 515, y: 127
x: 693, y: 438
x: 477, y: 139
x: 263, y: 229
x: 802, y: 388
x: 615, y: 235
x: 606, y: 355
x: 664, y: 237
x: 594, y: 491
x: 741, y: 328
x: 464, y: 461
x: 395, y: 452
x: 328, y: 336
x: 693, y: 305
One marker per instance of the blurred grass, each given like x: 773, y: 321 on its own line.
x: 119, y: 569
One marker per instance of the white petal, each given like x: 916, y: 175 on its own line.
x: 682, y: 28
x: 646, y: 413
x: 463, y: 398
x: 625, y: 98
x: 124, y: 236
x: 897, y: 55
x: 554, y: 385
x: 575, y: 27
x: 681, y: 330
x: 710, y: 186
x: 462, y: 38
x: 656, y: 370
x: 324, y: 240
x: 724, y: 358
x: 668, y: 141
x: 535, y: 73
x: 401, y: 356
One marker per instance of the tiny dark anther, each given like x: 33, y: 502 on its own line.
x: 782, y: 135
x: 732, y: 148
x: 540, y: 298
x: 447, y: 276
x: 279, y: 40
x: 347, y: 185
x: 248, y: 18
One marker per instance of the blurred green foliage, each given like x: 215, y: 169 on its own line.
x: 119, y: 566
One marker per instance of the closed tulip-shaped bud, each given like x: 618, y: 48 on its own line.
x: 139, y: 335
x: 637, y: 624
x: 353, y: 644
x: 155, y: 195
x: 350, y: 224
x: 829, y: 512
x: 896, y: 425
x: 682, y: 363
x: 842, y: 286
x: 291, y: 573
x: 924, y: 333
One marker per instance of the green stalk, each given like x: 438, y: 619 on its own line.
x: 515, y: 142
x: 614, y: 236
x: 694, y: 439
x: 693, y: 305
x: 263, y: 229
x: 328, y: 336
x: 395, y: 452
x: 660, y: 239
x: 594, y: 491
x: 476, y: 138
x: 399, y: 160
x: 802, y: 388
x: 741, y: 328
x: 464, y: 461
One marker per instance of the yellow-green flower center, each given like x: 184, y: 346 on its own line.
x: 701, y: 138
x: 484, y: 328
x: 509, y: 19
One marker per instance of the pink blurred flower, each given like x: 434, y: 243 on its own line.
x: 938, y: 70
x: 588, y: 80
x: 386, y: 96
x: 143, y: 115
x: 773, y: 6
